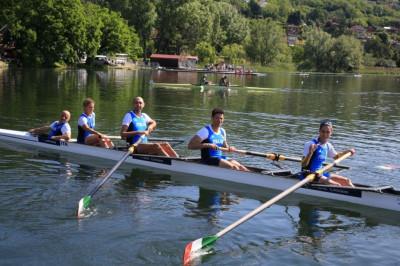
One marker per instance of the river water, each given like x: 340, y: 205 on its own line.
x: 144, y: 216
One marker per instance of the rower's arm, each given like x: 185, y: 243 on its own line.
x: 39, y: 129
x: 195, y: 144
x: 340, y: 154
x: 306, y: 159
x: 151, y: 125
x: 66, y: 136
x: 127, y: 134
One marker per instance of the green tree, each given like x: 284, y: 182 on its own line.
x: 117, y: 36
x: 206, y: 53
x: 255, y: 9
x: 94, y: 25
x: 48, y: 31
x: 318, y: 16
x: 346, y: 54
x: 379, y: 48
x: 142, y: 15
x: 295, y: 18
x: 235, y: 28
x: 317, y: 49
x: 267, y: 42
x: 234, y: 54
x: 167, y: 24
x: 297, y: 54
x: 194, y: 26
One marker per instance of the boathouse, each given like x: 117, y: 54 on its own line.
x: 174, y: 61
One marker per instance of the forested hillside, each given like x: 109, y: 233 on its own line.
x: 334, y: 35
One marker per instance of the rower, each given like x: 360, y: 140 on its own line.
x: 59, y: 129
x: 224, y: 81
x: 317, y: 150
x: 210, y: 138
x: 204, y: 80
x: 137, y: 123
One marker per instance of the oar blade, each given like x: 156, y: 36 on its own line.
x: 83, y: 204
x: 197, y: 247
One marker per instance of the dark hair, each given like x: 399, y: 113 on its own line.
x: 325, y: 123
x: 217, y: 111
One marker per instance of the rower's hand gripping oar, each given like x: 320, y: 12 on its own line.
x: 84, y: 202
x: 276, y: 157
x: 209, y: 242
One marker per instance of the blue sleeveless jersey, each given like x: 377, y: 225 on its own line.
x: 317, y: 159
x: 82, y: 134
x: 137, y: 124
x: 56, y: 129
x: 213, y: 138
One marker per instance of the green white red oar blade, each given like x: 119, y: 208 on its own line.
x: 83, y: 204
x: 197, y: 248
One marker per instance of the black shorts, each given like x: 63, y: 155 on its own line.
x: 212, y: 161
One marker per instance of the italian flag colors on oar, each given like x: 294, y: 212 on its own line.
x: 194, y: 249
x: 84, y: 202
x: 274, y: 156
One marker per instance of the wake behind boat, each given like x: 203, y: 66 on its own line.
x: 384, y: 197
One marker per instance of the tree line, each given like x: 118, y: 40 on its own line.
x: 49, y: 31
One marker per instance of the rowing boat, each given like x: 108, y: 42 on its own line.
x: 206, y: 86
x: 188, y: 85
x: 384, y: 197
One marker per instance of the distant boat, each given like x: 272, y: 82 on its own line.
x: 357, y: 75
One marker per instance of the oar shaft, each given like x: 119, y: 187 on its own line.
x: 283, y: 194
x: 152, y: 139
x: 110, y: 172
x: 263, y: 207
x: 129, y: 152
x: 273, y: 156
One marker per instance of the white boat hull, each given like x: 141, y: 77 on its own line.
x: 384, y: 197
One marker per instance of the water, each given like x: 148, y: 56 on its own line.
x: 146, y: 216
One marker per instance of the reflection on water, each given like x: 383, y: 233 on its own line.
x: 210, y: 204
x: 148, y: 216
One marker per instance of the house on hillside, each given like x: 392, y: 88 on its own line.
x: 392, y: 30
x: 292, y: 34
x: 174, y: 61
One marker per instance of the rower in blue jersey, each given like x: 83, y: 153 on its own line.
x: 135, y: 124
x: 315, y: 153
x: 210, y: 138
x: 86, y: 123
x: 59, y: 129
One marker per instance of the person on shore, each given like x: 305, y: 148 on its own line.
x: 86, y: 123
x: 58, y: 130
x: 210, y: 138
x: 224, y: 81
x: 315, y: 153
x: 135, y: 124
x: 204, y: 80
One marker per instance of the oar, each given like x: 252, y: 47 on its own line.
x: 84, y: 202
x: 152, y: 139
x: 274, y: 156
x: 209, y: 242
